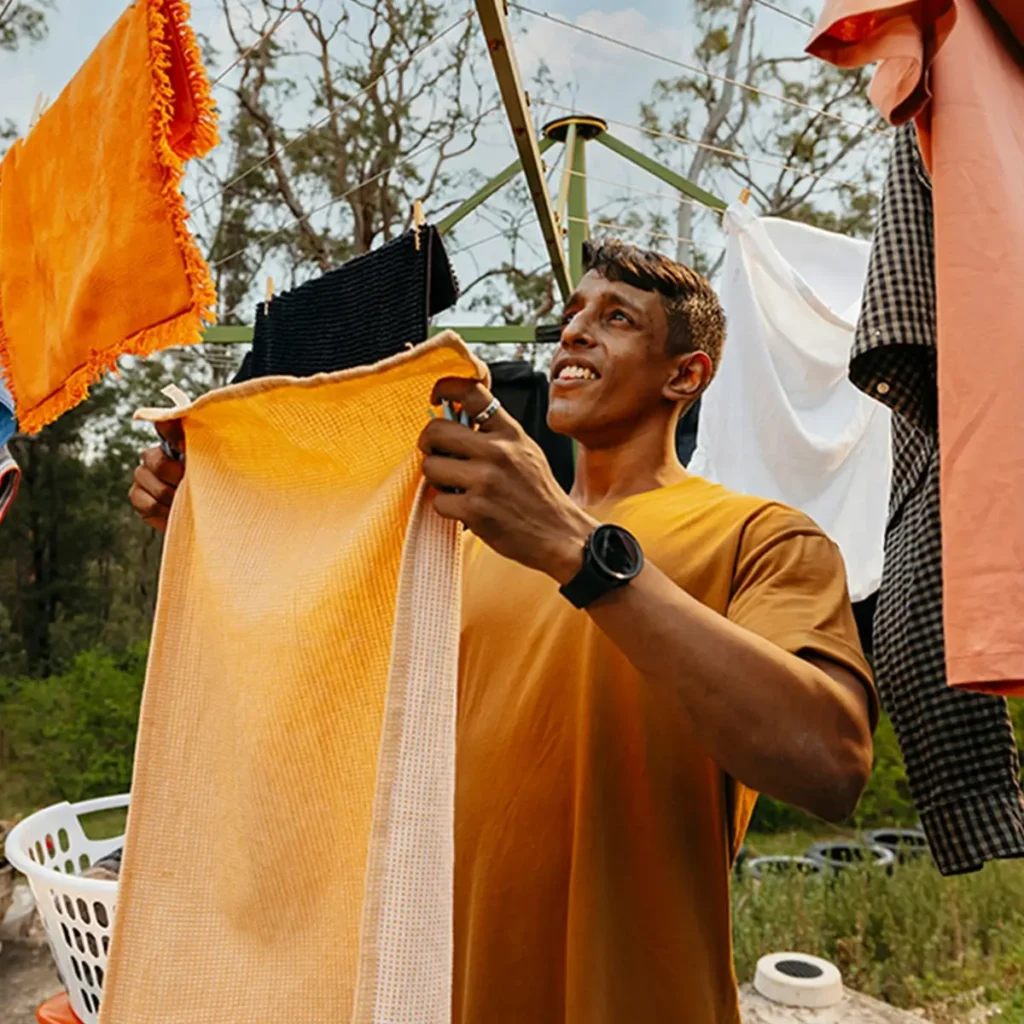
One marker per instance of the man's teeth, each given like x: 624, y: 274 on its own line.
x: 576, y: 373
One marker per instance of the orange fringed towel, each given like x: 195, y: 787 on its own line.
x: 290, y: 844
x: 96, y: 260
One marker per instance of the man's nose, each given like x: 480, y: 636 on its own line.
x: 577, y: 332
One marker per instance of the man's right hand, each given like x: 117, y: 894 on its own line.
x: 157, y: 478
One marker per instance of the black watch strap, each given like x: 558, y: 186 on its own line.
x: 587, y: 585
x: 594, y: 580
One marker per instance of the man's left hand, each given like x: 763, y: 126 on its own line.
x: 509, y: 499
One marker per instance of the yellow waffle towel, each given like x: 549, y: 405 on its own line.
x: 290, y: 843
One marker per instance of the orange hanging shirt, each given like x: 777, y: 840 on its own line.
x: 594, y: 838
x: 957, y: 68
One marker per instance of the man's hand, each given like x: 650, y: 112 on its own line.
x: 509, y: 499
x: 157, y: 478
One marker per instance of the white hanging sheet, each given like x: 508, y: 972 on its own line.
x: 781, y: 420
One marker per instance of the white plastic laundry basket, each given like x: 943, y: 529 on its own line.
x: 51, y: 849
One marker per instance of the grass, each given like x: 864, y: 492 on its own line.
x: 914, y: 939
x: 794, y: 844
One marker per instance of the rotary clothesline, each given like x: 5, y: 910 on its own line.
x: 753, y: 89
x: 427, y: 45
x: 719, y: 150
x: 722, y: 151
x: 766, y: 161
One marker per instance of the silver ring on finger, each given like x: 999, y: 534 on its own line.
x: 482, y: 417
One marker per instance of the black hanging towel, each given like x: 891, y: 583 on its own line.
x: 368, y: 309
x: 523, y: 391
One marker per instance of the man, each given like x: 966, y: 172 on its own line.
x: 625, y: 693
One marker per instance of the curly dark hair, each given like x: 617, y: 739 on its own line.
x: 696, y: 321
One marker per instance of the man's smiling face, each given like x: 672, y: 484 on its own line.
x: 612, y: 365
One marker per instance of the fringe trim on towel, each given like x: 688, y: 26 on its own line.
x: 170, y: 36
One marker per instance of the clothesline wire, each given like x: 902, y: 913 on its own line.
x: 697, y: 70
x: 637, y: 229
x: 322, y: 121
x: 481, y: 241
x: 732, y: 154
x: 338, y: 199
x: 285, y: 15
x: 324, y: 206
x: 677, y: 197
x: 785, y: 13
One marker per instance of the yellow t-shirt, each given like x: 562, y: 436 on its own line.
x: 594, y: 840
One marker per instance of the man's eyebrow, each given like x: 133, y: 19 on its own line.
x: 573, y: 300
x: 614, y: 298
x: 619, y: 299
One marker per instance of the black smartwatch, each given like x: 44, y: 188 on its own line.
x: 611, y: 558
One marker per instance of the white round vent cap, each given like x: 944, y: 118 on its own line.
x: 796, y: 979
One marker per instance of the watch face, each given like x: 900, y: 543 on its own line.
x: 616, y: 552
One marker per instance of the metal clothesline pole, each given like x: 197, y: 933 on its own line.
x: 517, y: 108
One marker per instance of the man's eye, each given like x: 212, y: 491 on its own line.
x: 623, y: 316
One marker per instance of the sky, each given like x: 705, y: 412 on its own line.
x: 605, y: 80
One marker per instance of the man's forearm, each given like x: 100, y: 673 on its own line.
x: 775, y: 722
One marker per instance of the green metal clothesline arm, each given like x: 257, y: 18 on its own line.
x: 499, y: 181
x: 677, y: 181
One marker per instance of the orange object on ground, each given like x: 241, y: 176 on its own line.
x: 594, y: 836
x: 957, y: 71
x: 57, y: 1011
x: 289, y: 847
x: 96, y: 260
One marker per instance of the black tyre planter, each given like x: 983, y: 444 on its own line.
x: 839, y: 856
x: 760, y: 868
x: 742, y: 860
x: 906, y: 843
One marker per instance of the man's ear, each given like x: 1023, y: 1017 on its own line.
x: 690, y: 377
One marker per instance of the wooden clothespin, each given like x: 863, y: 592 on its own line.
x: 269, y: 294
x: 745, y: 196
x: 418, y: 220
x: 37, y: 111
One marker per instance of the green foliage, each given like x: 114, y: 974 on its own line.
x: 23, y: 21
x: 77, y: 568
x: 886, y: 801
x: 70, y: 736
x: 909, y: 938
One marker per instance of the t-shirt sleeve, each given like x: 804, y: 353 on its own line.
x: 790, y: 587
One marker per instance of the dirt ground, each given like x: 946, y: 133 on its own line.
x: 27, y: 978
